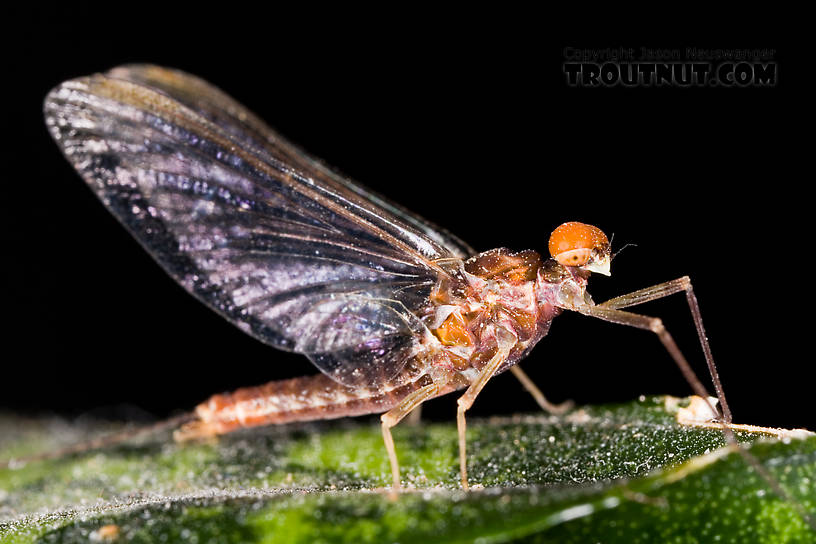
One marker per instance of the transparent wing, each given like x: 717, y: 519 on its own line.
x: 358, y: 339
x: 221, y: 109
x: 301, y: 263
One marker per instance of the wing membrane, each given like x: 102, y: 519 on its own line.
x: 356, y: 339
x: 285, y: 250
x: 221, y: 109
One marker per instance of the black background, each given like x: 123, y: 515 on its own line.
x: 463, y: 117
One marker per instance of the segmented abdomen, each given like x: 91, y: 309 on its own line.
x: 298, y: 399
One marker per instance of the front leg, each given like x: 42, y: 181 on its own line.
x: 612, y: 314
x: 654, y: 325
x: 663, y: 290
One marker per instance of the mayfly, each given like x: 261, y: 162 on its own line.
x: 392, y: 310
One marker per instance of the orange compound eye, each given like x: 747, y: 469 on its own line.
x: 572, y: 244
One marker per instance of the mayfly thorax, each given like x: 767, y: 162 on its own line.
x: 392, y: 310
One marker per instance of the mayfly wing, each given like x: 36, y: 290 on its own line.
x: 222, y: 110
x: 359, y: 340
x: 302, y: 263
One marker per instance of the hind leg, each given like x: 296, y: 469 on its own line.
x: 394, y: 416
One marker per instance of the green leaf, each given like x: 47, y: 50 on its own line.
x: 624, y: 473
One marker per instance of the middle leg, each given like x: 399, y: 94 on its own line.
x: 530, y: 386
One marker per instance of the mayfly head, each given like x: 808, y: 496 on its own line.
x: 580, y: 245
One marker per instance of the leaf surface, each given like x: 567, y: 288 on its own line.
x: 619, y: 473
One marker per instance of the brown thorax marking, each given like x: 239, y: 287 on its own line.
x: 494, y: 288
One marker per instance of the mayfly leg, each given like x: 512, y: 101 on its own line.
x: 654, y: 324
x: 669, y: 288
x: 609, y: 311
x: 466, y: 401
x: 535, y: 392
x: 529, y: 385
x: 394, y: 416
